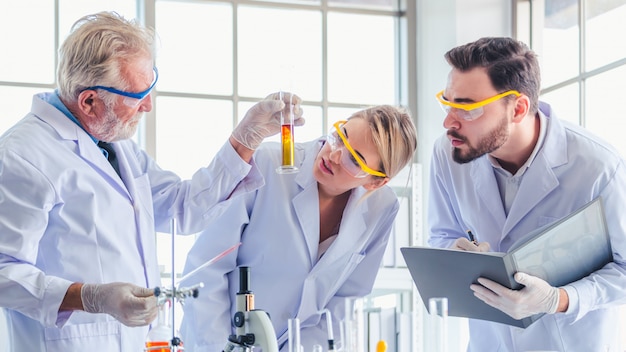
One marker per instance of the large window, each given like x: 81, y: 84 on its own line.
x: 32, y: 30
x: 226, y: 55
x: 583, y: 61
x: 218, y: 57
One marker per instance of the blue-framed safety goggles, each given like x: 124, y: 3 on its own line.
x: 135, y: 97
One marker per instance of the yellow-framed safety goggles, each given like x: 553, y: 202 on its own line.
x: 469, y: 112
x: 351, y: 161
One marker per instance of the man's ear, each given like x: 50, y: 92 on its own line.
x: 87, y: 101
x: 522, y: 105
x: 376, y: 183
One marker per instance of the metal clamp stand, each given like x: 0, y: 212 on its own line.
x: 173, y: 295
x: 176, y: 294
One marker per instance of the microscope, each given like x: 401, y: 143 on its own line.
x: 253, y: 326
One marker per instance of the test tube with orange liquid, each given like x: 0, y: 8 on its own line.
x: 286, y: 139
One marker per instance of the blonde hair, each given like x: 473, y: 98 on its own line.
x: 394, y: 135
x: 95, y: 50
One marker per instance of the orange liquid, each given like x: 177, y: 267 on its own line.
x: 287, y: 144
x: 158, y: 346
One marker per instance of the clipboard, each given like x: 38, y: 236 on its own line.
x: 562, y: 252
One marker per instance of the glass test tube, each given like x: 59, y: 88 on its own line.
x: 438, y: 310
x: 286, y: 139
x: 293, y: 335
x: 353, y: 326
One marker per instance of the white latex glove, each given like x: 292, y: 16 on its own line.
x: 537, y: 297
x: 131, y: 305
x: 464, y: 244
x: 263, y: 119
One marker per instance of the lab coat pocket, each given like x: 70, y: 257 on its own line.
x: 89, y: 336
x: 142, y: 193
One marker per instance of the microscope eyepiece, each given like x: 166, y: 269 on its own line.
x: 244, y: 280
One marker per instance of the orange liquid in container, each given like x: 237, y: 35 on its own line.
x: 287, y: 144
x: 158, y: 346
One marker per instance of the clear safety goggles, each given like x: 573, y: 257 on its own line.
x: 131, y: 99
x: 469, y: 112
x: 349, y: 159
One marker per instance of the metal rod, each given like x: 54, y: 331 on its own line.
x: 173, y: 232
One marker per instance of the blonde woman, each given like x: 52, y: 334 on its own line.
x: 310, y: 238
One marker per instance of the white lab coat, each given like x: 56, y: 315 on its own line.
x: 278, y: 226
x: 572, y: 168
x: 65, y: 216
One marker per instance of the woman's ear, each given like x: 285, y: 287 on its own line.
x: 376, y: 183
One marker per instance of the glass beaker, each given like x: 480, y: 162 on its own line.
x: 159, y: 336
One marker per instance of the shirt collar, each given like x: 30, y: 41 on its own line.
x: 54, y: 100
x: 538, y: 145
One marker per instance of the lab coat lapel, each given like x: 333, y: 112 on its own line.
x: 327, y: 276
x: 86, y: 147
x: 539, y: 179
x: 351, y: 236
x: 92, y: 154
x: 309, y: 224
x: 537, y: 183
x: 306, y: 207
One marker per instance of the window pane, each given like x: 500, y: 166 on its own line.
x: 312, y: 128
x: 565, y: 102
x: 16, y: 103
x: 72, y: 10
x: 524, y: 21
x: 361, y: 67
x: 338, y: 114
x: 27, y: 41
x: 604, y: 17
x: 600, y: 116
x: 190, y: 132
x: 314, y: 124
x: 380, y: 4
x: 195, y: 55
x: 280, y: 49
x: 559, y: 49
x: 308, y: 2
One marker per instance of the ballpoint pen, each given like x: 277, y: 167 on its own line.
x: 471, y: 237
